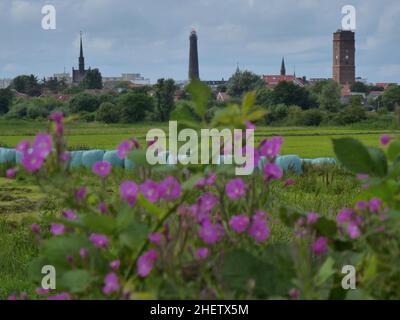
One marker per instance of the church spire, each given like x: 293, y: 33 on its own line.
x: 81, y: 58
x: 283, y: 69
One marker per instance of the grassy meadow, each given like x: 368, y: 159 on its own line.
x: 306, y: 142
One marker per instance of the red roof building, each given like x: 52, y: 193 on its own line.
x: 273, y: 80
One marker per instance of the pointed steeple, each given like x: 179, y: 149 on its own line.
x: 283, y: 69
x: 81, y: 58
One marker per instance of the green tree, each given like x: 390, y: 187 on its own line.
x: 134, y: 106
x: 28, y: 85
x: 244, y: 81
x: 164, y: 94
x: 84, y: 102
x: 6, y: 97
x: 108, y: 113
x: 264, y: 97
x: 92, y: 80
x: 359, y: 87
x: 312, y: 117
x: 329, y: 99
x: 55, y: 85
x: 391, y: 97
x: 289, y: 93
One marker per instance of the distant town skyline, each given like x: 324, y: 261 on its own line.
x: 151, y: 38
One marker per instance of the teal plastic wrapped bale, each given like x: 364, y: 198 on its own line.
x: 113, y: 159
x: 76, y: 159
x: 307, y: 161
x: 7, y: 155
x: 262, y: 163
x: 128, y: 164
x: 323, y: 161
x: 290, y: 163
x: 89, y: 158
x: 18, y: 157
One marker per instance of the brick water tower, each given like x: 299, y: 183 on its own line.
x: 193, y: 57
x: 344, y: 51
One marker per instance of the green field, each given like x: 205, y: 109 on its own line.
x: 306, y: 142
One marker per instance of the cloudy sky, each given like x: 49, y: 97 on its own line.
x: 151, y: 37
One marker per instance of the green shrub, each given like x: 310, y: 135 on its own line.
x: 84, y: 102
x: 108, y: 113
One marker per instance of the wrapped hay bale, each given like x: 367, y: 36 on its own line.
x: 18, y: 157
x: 290, y: 163
x: 76, y: 159
x: 262, y: 163
x: 307, y: 161
x: 323, y: 161
x: 128, y: 164
x: 7, y: 155
x: 89, y: 158
x: 113, y: 159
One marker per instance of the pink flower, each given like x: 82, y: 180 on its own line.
x: 57, y: 229
x: 344, y: 215
x: 170, y: 189
x: 374, y: 204
x: 115, y: 264
x: 11, y: 173
x: 42, y: 145
x: 102, y: 168
x: 42, y: 291
x: 201, y: 183
x: 129, y: 191
x: 259, y: 229
x: 102, y: 207
x: 239, y: 223
x: 155, y: 238
x: 312, y: 218
x: 12, y: 297
x: 320, y: 246
x: 65, y: 156
x: 124, y: 148
x: 271, y: 148
x: 361, y: 205
x: 289, y: 182
x: 385, y: 139
x: 35, y: 228
x: 83, y: 252
x: 362, y: 176
x: 57, y: 117
x: 99, y: 240
x: 202, y: 253
x: 146, y: 262
x: 69, y: 214
x: 61, y: 296
x: 353, y: 230
x: 32, y: 162
x: 23, y: 146
x: 80, y: 194
x: 235, y: 189
x: 250, y: 125
x: 294, y: 293
x: 207, y: 201
x: 211, y: 233
x: 111, y: 284
x: 212, y: 178
x: 150, y: 191
x: 272, y: 172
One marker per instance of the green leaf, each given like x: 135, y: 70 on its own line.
x: 100, y: 223
x: 138, y: 157
x: 76, y: 281
x: 134, y: 236
x: 241, y: 268
x: 248, y: 102
x: 200, y: 93
x: 326, y: 227
x: 150, y: 207
x: 256, y: 115
x: 124, y: 217
x: 379, y: 160
x: 394, y: 150
x: 353, y: 155
x: 191, y: 182
x: 326, y: 271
